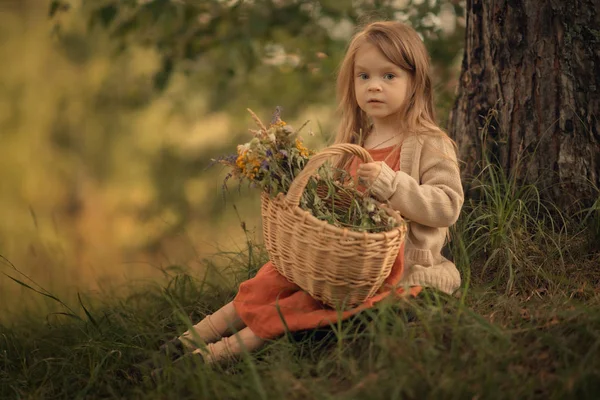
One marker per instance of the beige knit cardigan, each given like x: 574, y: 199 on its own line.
x: 428, y: 192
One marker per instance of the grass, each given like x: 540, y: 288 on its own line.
x: 485, y: 343
x: 481, y: 345
x: 525, y: 324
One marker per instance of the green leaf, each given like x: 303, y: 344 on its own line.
x: 31, y: 288
x: 107, y: 14
x: 161, y: 79
x: 89, y: 315
x: 56, y: 6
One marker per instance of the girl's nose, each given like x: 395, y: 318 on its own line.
x: 374, y: 87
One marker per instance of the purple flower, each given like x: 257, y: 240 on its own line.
x: 264, y: 165
x: 269, y: 153
x: 283, y: 152
x: 226, y: 159
x: 276, y: 115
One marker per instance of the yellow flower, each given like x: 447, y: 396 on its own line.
x: 279, y: 124
x: 303, y: 150
x: 240, y: 161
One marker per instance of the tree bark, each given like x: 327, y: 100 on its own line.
x: 533, y: 69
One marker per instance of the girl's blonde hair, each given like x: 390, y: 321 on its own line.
x: 402, y: 46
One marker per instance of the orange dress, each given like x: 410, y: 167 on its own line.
x: 267, y: 300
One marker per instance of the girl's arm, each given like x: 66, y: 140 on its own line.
x: 437, y: 200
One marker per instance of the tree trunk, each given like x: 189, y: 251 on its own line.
x: 537, y: 64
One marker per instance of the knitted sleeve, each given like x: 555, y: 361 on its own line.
x: 436, y: 200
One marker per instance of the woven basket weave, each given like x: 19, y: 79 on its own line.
x: 337, y: 266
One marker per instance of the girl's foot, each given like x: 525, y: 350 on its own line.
x: 173, y: 349
x: 186, y: 361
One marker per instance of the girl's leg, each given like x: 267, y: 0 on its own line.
x: 224, y: 350
x: 213, y: 327
x: 231, y: 347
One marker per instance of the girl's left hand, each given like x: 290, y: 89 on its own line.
x: 367, y: 173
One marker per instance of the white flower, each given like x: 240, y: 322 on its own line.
x: 271, y: 137
x: 243, y: 147
x: 431, y: 20
x: 341, y: 30
x: 370, y: 206
x: 399, y: 3
x: 401, y: 16
x: 447, y: 19
x: 376, y: 218
x: 276, y: 54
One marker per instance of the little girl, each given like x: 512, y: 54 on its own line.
x: 384, y: 90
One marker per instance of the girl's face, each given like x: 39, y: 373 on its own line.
x: 380, y: 86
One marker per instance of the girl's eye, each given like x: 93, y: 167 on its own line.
x: 389, y: 76
x: 363, y: 76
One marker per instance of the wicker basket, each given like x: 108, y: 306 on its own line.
x: 339, y: 267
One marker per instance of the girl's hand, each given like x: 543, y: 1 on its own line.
x: 367, y: 173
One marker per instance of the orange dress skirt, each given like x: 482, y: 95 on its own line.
x: 269, y: 303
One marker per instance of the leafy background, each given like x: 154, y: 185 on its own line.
x: 111, y: 110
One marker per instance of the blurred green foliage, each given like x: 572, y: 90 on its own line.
x: 260, y: 52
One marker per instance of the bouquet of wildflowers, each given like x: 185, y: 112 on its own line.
x: 271, y: 159
x: 275, y: 156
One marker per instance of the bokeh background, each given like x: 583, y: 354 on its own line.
x: 111, y: 111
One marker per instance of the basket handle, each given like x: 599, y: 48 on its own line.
x: 294, y: 194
